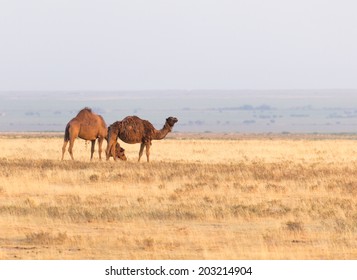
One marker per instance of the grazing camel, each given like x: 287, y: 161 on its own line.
x: 119, y: 152
x: 134, y: 130
x: 88, y: 126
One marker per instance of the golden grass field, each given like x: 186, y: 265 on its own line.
x: 256, y: 197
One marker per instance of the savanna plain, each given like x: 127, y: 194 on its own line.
x: 200, y: 197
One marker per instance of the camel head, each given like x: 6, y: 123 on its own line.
x: 119, y: 152
x: 171, y: 122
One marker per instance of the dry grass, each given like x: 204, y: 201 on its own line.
x: 256, y: 198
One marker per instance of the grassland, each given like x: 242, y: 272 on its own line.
x: 244, y: 198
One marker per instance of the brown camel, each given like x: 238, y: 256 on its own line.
x: 88, y: 126
x: 134, y: 130
x: 119, y: 152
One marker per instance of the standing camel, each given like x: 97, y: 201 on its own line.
x: 88, y: 126
x: 134, y: 130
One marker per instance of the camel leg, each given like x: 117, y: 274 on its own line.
x: 142, y: 145
x: 92, y: 149
x: 110, y: 151
x: 148, y: 144
x: 64, y: 148
x: 107, y: 151
x: 70, y: 148
x: 100, y: 142
x: 113, y: 152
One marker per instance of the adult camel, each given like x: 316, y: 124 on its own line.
x: 88, y: 126
x: 133, y: 130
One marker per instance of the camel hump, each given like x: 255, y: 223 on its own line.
x: 132, y: 119
x: 87, y: 116
x: 84, y: 113
x: 85, y: 110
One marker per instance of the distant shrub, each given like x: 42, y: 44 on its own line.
x: 294, y: 226
x: 94, y: 178
x: 46, y: 238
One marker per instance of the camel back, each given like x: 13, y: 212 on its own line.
x: 131, y: 129
x: 137, y: 125
x: 87, y: 115
x: 85, y: 109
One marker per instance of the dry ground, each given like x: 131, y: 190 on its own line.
x: 246, y: 198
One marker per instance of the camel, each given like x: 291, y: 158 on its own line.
x: 119, y: 152
x: 134, y: 130
x: 88, y: 126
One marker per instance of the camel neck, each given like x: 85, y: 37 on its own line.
x: 161, y: 134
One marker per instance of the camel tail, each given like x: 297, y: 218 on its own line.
x: 66, y: 133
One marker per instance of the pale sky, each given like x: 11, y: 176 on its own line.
x: 182, y: 44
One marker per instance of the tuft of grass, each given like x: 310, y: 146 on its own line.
x: 94, y: 178
x: 148, y: 243
x: 295, y: 226
x: 46, y: 238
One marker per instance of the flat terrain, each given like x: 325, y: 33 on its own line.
x: 248, y: 197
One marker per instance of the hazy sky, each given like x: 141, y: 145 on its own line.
x: 182, y: 44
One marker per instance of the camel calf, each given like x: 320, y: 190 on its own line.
x: 119, y: 152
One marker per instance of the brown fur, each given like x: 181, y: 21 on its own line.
x: 120, y: 152
x: 134, y: 130
x: 88, y: 126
